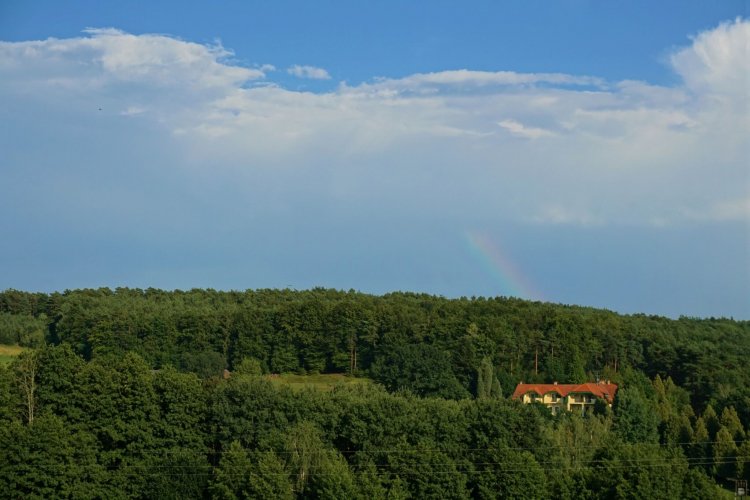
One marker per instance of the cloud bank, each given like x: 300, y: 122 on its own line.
x: 149, y: 141
x: 515, y: 144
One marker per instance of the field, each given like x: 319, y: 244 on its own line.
x: 321, y: 382
x: 9, y: 352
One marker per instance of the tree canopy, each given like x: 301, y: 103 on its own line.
x: 125, y: 395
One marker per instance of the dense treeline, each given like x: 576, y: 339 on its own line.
x: 126, y: 398
x: 325, y: 330
x: 119, y: 429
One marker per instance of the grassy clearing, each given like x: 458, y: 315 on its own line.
x: 321, y: 382
x: 9, y: 352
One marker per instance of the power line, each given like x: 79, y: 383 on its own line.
x: 598, y: 463
x: 400, y: 470
x: 450, y: 451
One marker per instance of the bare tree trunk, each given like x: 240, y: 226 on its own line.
x: 28, y: 367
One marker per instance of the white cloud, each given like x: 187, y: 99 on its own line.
x: 310, y: 72
x: 486, y: 78
x: 434, y: 144
x: 727, y: 210
x: 109, y: 56
x: 133, y: 110
x: 717, y: 61
x: 520, y: 130
x: 557, y: 214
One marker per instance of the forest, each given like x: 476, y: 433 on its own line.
x: 132, y: 393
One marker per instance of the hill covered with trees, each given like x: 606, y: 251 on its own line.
x: 124, y: 396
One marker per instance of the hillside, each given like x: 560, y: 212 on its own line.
x: 135, y: 375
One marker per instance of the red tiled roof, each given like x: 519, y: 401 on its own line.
x: 598, y: 389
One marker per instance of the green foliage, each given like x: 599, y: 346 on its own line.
x: 175, y: 474
x: 330, y: 331
x: 320, y: 382
x: 44, y: 460
x: 8, y: 353
x: 487, y: 384
x: 258, y: 475
x: 232, y: 476
x: 369, y: 483
x: 269, y: 479
x: 743, y: 461
x: 182, y: 408
x: 697, y: 486
x: 206, y: 364
x: 422, y: 368
x: 22, y: 329
x: 731, y: 422
x: 699, y: 449
x: 112, y: 418
x: 306, y: 456
x: 125, y: 430
x: 331, y: 479
x: 712, y: 421
x: 430, y: 474
x: 636, y: 420
x: 9, y: 396
x: 724, y: 454
x: 510, y: 473
x: 249, y: 366
x: 675, y: 412
x: 639, y: 470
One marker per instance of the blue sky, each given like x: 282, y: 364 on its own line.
x: 577, y: 152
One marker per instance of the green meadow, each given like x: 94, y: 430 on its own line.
x: 9, y: 352
x: 321, y: 381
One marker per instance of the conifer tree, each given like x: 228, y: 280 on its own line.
x: 711, y: 420
x: 724, y: 454
x: 743, y: 461
x: 269, y: 479
x: 699, y: 449
x: 731, y: 422
x: 488, y: 386
x: 232, y: 476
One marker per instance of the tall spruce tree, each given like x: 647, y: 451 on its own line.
x: 488, y: 386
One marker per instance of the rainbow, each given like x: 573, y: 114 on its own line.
x: 508, y: 274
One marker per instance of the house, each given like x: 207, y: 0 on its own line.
x: 570, y: 397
